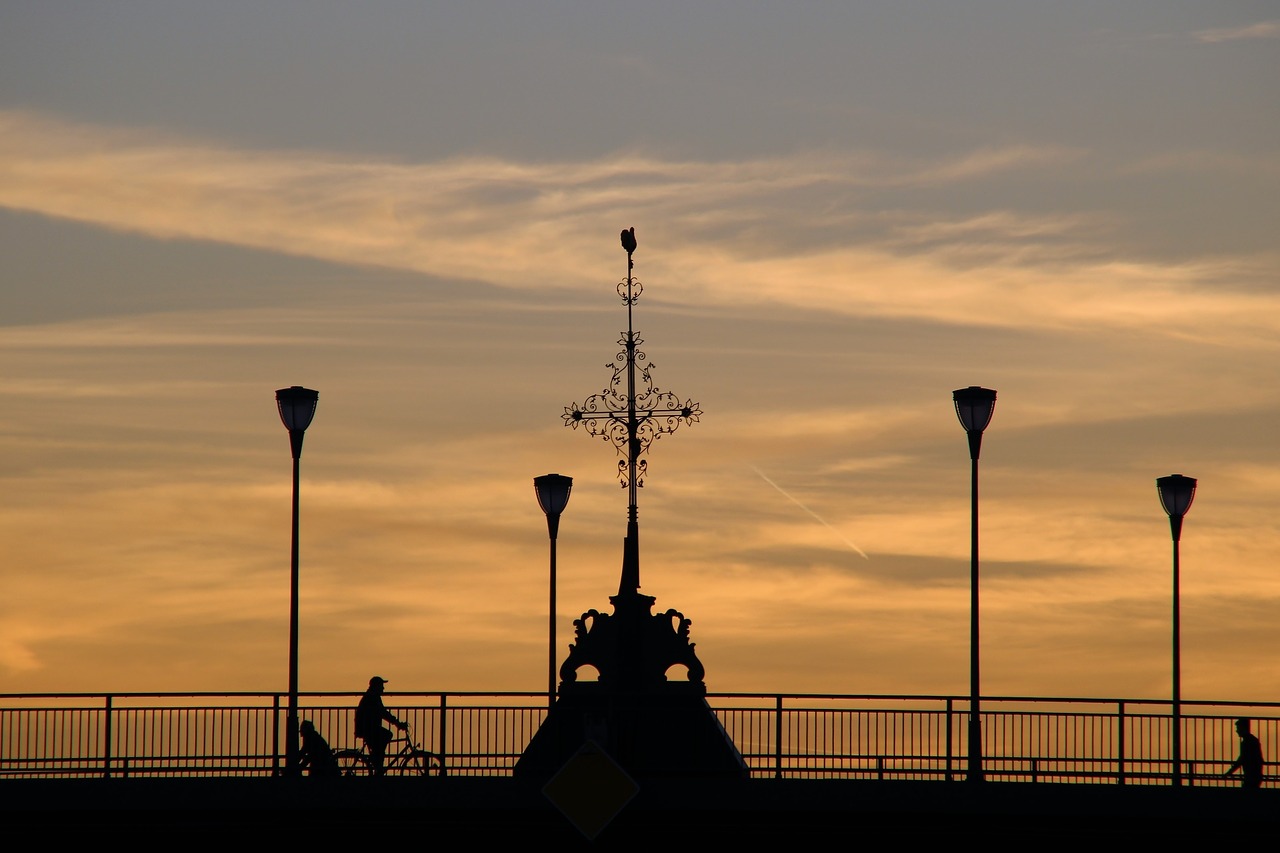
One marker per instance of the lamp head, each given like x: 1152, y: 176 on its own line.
x: 553, y: 495
x: 974, y: 408
x: 1176, y: 494
x: 297, y: 407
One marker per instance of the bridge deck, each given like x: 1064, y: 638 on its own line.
x: 506, y: 810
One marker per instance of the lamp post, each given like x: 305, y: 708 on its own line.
x: 1176, y: 494
x: 553, y: 495
x: 974, y: 407
x: 297, y: 406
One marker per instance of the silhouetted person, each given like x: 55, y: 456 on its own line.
x: 1250, y: 760
x: 315, y: 755
x: 370, y: 715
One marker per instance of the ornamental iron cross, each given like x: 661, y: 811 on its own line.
x: 628, y: 414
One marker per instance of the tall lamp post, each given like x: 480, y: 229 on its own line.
x: 974, y: 407
x: 1176, y: 494
x: 553, y: 495
x: 297, y: 406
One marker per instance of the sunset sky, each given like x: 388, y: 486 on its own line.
x: 845, y: 211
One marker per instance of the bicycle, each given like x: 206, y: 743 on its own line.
x: 410, y: 760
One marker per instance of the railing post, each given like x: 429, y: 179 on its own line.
x: 443, y: 733
x: 950, y: 722
x: 1035, y: 770
x: 1120, y: 759
x: 777, y: 736
x: 880, y: 768
x: 275, y: 734
x: 106, y: 739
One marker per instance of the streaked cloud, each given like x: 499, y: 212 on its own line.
x: 512, y: 224
x: 1260, y: 30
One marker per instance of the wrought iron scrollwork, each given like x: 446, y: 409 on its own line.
x: 630, y: 289
x: 631, y: 422
x: 631, y: 413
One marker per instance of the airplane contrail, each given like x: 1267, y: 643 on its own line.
x: 817, y: 517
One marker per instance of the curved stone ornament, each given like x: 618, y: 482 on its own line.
x: 641, y: 660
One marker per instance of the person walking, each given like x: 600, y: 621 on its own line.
x: 1250, y: 760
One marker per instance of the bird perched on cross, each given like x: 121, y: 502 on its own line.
x: 629, y: 239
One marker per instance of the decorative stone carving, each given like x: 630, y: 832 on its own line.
x: 632, y: 647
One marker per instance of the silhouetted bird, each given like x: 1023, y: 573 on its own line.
x: 629, y: 240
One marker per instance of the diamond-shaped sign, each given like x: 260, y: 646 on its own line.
x: 590, y: 789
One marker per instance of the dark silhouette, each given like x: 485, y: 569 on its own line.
x: 1250, y: 760
x: 370, y: 715
x: 315, y: 756
x: 632, y: 716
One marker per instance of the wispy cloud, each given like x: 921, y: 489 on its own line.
x: 508, y: 223
x: 1260, y: 30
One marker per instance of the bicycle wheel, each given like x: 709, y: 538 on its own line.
x: 419, y: 762
x: 353, y: 762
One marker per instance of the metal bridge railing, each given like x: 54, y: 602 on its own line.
x: 815, y: 736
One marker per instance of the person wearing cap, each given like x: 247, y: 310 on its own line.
x: 370, y: 715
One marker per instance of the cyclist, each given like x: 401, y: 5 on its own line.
x: 370, y: 715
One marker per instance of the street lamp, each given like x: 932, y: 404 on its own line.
x: 553, y: 495
x: 1176, y: 494
x: 297, y: 406
x: 974, y: 407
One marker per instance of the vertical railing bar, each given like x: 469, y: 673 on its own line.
x: 950, y: 725
x: 777, y: 737
x: 141, y: 746
x: 489, y: 727
x: 443, y: 744
x: 794, y: 740
x: 1120, y: 743
x: 886, y: 747
x: 31, y: 748
x: 275, y: 734
x: 137, y: 738
x: 849, y: 743
x: 60, y: 736
x: 224, y: 747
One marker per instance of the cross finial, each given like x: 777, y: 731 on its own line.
x: 631, y: 415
